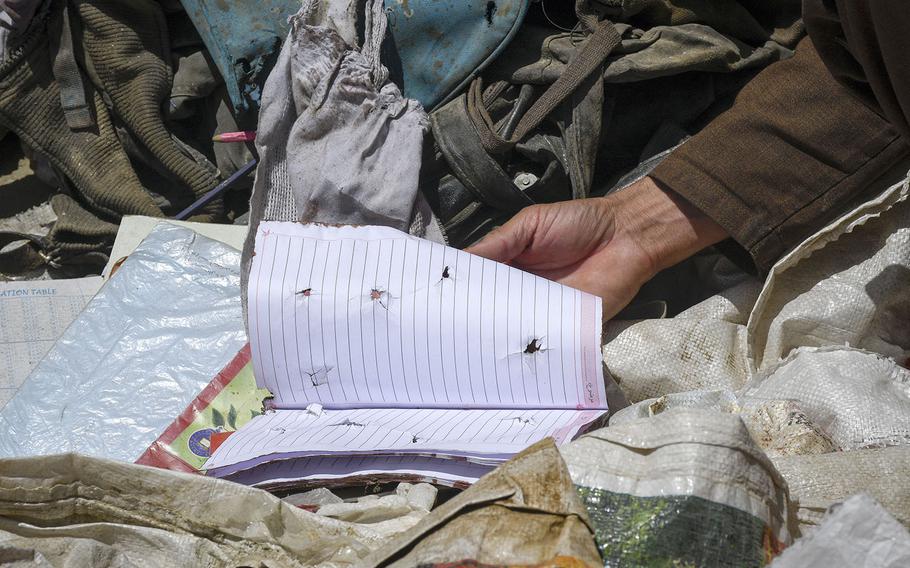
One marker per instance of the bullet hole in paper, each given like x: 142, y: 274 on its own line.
x: 534, y: 346
x: 306, y: 292
x: 379, y: 296
x: 319, y: 377
x: 348, y: 422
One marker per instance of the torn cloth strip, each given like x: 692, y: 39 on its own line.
x: 357, y: 148
x: 338, y: 143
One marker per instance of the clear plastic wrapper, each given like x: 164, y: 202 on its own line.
x: 153, y: 337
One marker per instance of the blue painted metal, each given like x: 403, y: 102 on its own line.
x: 443, y: 44
x: 243, y: 39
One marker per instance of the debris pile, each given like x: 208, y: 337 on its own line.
x: 238, y: 327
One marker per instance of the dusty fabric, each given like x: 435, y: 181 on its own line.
x: 123, y: 50
x: 525, y: 512
x: 94, y: 161
x: 78, y: 237
x: 646, y: 54
x: 194, y: 79
x: 128, y: 47
x: 667, y: 72
x: 70, y: 510
x: 356, y: 144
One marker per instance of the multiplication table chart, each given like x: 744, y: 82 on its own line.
x: 32, y: 316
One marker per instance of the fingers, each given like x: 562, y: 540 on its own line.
x: 508, y: 241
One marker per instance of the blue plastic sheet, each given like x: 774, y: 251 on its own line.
x: 435, y: 47
x: 244, y: 39
x: 443, y: 44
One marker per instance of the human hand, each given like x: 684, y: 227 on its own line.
x: 608, y: 246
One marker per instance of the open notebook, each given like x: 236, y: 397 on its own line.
x: 391, y: 355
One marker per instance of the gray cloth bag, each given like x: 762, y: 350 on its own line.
x: 338, y: 143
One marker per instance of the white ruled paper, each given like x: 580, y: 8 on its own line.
x: 358, y: 317
x: 490, y: 436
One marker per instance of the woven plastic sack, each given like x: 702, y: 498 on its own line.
x: 818, y: 481
x: 859, y: 399
x: 779, y: 427
x: 523, y: 513
x: 820, y: 365
x: 843, y: 398
x: 847, y: 284
x: 687, y: 488
x: 701, y: 348
x: 70, y: 510
x: 857, y: 533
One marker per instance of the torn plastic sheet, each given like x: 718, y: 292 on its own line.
x: 153, y: 337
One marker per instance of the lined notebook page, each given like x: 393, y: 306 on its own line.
x: 355, y: 317
x: 413, y: 468
x: 487, y: 436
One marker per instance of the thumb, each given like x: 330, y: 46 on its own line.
x: 508, y: 241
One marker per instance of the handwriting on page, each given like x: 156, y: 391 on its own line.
x: 369, y: 316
